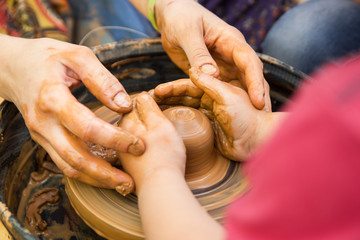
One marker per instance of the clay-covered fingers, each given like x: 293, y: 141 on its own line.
x: 149, y: 112
x: 218, y: 91
x: 101, y: 83
x: 190, y: 35
x: 181, y: 87
x: 75, y: 160
x: 132, y: 123
x: 83, y: 123
x: 251, y: 66
x: 179, y: 92
x: 268, y: 107
x: 197, y: 52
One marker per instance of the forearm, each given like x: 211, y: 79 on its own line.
x: 142, y: 6
x: 8, y: 54
x: 169, y: 210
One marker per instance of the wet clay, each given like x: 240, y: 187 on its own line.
x: 33, y: 209
x: 214, y: 180
x: 44, y: 207
x: 104, y: 153
x: 204, y: 165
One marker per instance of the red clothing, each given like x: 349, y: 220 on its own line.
x: 305, y: 181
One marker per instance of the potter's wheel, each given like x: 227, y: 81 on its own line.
x: 116, y: 217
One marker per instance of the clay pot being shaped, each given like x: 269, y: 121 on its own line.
x: 204, y: 164
x: 213, y: 179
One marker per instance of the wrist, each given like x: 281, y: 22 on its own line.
x: 157, y: 176
x: 267, y: 124
x: 161, y: 6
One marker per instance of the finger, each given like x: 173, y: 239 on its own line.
x: 101, y: 83
x: 131, y: 123
x: 71, y: 150
x: 207, y: 102
x: 182, y: 100
x: 149, y: 112
x: 116, y: 178
x: 80, y: 121
x: 236, y: 83
x: 197, y: 52
x: 217, y: 90
x: 267, y: 107
x: 181, y: 87
x: 222, y: 141
x: 249, y: 63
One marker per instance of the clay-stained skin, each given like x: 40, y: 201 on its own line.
x: 214, y: 180
x: 219, y: 104
x: 122, y: 62
x: 33, y: 209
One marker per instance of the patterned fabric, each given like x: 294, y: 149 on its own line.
x: 253, y: 18
x: 54, y: 18
x: 70, y: 20
x: 35, y: 18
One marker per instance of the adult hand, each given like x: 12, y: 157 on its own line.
x: 37, y: 76
x: 236, y: 122
x: 203, y: 40
x: 165, y: 148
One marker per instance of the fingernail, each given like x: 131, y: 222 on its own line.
x: 124, y: 188
x: 136, y: 148
x: 208, y: 69
x: 122, y: 100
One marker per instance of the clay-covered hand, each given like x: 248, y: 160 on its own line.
x: 193, y: 36
x: 165, y: 149
x: 37, y: 76
x: 235, y: 120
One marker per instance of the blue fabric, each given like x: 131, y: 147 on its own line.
x: 314, y: 33
x: 253, y: 18
x: 90, y: 14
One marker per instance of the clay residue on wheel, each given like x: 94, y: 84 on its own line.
x: 35, y: 204
x: 44, y: 208
x: 213, y: 179
x: 136, y: 73
x: 45, y: 166
x: 122, y: 62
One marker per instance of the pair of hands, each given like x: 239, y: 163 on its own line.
x: 37, y: 76
x: 236, y: 122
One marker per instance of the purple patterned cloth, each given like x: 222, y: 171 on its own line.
x: 253, y: 18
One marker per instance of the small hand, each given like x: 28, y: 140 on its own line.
x: 235, y: 120
x: 203, y: 40
x: 164, y: 146
x: 41, y: 74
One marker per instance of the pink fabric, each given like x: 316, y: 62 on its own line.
x: 305, y: 181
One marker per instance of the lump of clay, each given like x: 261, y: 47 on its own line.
x: 33, y: 208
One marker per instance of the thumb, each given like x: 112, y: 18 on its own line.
x: 199, y: 55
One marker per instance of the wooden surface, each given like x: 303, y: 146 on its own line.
x: 4, y: 234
